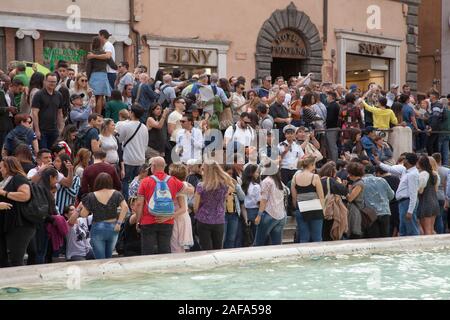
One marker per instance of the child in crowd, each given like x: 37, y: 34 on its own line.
x: 78, y: 245
x: 182, y: 239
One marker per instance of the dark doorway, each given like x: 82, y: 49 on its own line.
x: 287, y: 68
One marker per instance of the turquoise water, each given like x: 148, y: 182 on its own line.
x: 414, y: 275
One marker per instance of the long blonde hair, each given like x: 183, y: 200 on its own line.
x: 77, y: 81
x: 215, y: 177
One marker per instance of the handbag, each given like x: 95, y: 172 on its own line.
x: 310, y: 205
x: 368, y: 217
x: 311, y: 150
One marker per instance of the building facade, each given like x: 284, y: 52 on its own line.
x: 344, y: 41
x: 434, y: 44
x: 46, y: 31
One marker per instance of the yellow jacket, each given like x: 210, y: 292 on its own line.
x: 382, y: 118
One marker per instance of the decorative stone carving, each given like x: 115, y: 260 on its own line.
x: 21, y: 33
x: 293, y: 19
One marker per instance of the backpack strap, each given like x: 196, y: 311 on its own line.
x: 328, y: 187
x: 134, y: 134
x: 155, y: 178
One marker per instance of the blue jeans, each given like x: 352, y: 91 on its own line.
x: 251, y: 217
x: 48, y: 139
x: 230, y: 231
x: 103, y: 239
x: 269, y: 226
x: 130, y: 173
x: 440, y: 223
x: 408, y: 227
x: 308, y: 231
x: 41, y: 243
x: 444, y: 140
x: 112, y: 79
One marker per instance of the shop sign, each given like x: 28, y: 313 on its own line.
x: 289, y: 44
x: 188, y: 56
x: 372, y: 49
x: 54, y: 54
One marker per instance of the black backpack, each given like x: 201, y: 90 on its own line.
x: 80, y: 141
x: 18, y: 140
x: 38, y: 208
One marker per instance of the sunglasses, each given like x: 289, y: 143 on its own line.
x: 83, y: 80
x: 183, y: 121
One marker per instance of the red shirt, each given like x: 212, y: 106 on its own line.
x: 146, y: 190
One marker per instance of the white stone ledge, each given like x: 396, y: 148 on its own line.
x: 57, y: 274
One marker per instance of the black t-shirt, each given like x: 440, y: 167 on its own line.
x: 91, y: 134
x: 100, y: 211
x: 333, y: 110
x: 279, y: 111
x: 48, y: 106
x: 11, y: 219
x: 393, y: 182
x: 156, y: 139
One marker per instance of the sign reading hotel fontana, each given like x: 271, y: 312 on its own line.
x: 289, y: 44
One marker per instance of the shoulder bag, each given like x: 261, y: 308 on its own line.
x: 134, y: 135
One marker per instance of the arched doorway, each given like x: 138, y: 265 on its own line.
x: 289, y: 44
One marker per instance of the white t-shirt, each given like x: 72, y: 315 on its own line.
x: 108, y: 47
x: 109, y: 145
x: 134, y: 151
x: 190, y: 145
x: 243, y: 137
x: 290, y: 160
x: 78, y: 239
x: 175, y: 118
x: 34, y: 171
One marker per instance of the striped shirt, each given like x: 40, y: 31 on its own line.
x: 66, y: 196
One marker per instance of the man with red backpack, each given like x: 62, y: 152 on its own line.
x: 159, y: 201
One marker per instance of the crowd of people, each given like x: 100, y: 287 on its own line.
x: 117, y: 161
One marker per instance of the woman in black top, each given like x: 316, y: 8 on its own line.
x: 328, y: 171
x: 156, y: 140
x: 96, y: 73
x: 15, y: 231
x: 103, y: 204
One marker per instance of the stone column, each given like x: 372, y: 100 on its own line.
x: 118, y: 46
x: 119, y: 42
x: 412, y: 58
x: 25, y: 44
x: 222, y: 63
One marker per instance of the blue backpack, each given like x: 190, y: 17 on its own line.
x: 161, y: 202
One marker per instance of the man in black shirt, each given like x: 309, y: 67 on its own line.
x: 332, y: 135
x: 47, y: 113
x: 280, y: 113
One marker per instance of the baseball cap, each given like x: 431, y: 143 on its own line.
x: 370, y: 129
x: 395, y: 86
x: 289, y: 128
x: 194, y: 162
x: 353, y: 87
x: 76, y: 96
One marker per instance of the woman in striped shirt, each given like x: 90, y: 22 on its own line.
x: 66, y: 196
